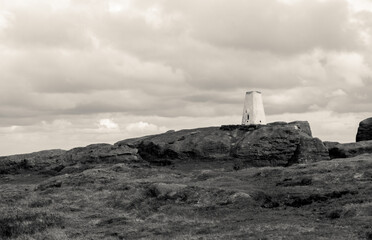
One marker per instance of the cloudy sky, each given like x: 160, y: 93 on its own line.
x: 75, y: 72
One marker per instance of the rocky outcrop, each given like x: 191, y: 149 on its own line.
x: 30, y: 161
x: 364, y: 130
x: 346, y: 150
x: 311, y: 150
x: 101, y: 153
x: 53, y: 162
x: 279, y: 145
x: 275, y: 144
x: 363, y: 143
x: 203, y: 143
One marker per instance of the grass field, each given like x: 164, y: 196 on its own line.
x: 191, y: 200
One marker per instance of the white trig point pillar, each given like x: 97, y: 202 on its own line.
x: 253, y: 112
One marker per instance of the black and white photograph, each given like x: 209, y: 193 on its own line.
x: 185, y: 119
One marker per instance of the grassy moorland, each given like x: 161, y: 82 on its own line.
x: 191, y: 200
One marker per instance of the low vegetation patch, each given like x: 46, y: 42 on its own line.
x: 15, y: 222
x: 323, y: 200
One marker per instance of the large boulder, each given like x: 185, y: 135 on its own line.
x: 347, y: 150
x: 364, y: 130
x: 275, y: 144
x: 279, y: 145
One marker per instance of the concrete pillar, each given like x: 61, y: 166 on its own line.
x: 253, y: 112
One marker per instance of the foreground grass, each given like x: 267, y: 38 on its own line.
x: 324, y: 200
x: 18, y: 221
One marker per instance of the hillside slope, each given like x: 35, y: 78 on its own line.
x: 132, y: 191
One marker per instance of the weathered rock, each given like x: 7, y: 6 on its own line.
x: 279, y: 145
x: 31, y: 161
x: 210, y: 143
x: 53, y: 162
x: 275, y: 144
x: 268, y: 146
x: 346, y: 150
x: 311, y: 150
x: 101, y: 153
x: 364, y: 130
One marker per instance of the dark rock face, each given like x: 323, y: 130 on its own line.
x: 346, y: 150
x: 210, y: 143
x: 280, y: 145
x: 311, y: 150
x: 101, y: 153
x: 364, y: 130
x: 275, y: 144
x: 32, y: 161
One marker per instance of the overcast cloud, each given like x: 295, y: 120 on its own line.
x: 75, y: 72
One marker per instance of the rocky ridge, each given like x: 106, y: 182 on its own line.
x: 274, y: 144
x: 206, y: 190
x: 347, y: 150
x: 54, y: 162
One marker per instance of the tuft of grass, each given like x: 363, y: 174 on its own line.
x: 16, y: 222
x: 48, y: 234
x: 41, y: 202
x: 117, y: 200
